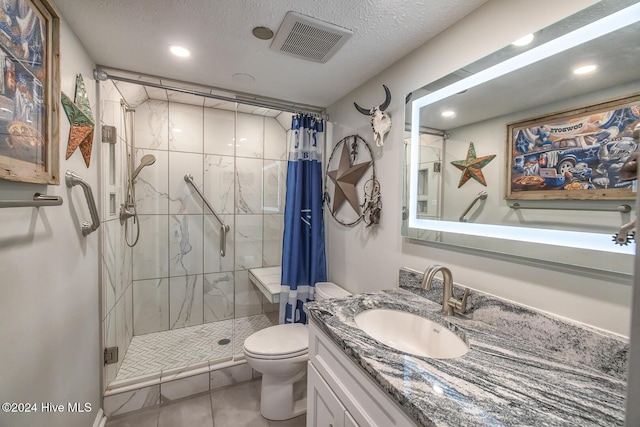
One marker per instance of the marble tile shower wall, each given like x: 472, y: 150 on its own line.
x: 117, y: 314
x: 239, y: 162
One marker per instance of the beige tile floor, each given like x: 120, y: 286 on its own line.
x: 235, y: 406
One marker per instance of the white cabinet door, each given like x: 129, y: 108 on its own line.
x: 323, y: 407
x: 364, y: 402
x: 349, y: 421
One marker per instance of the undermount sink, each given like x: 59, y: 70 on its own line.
x: 411, y: 333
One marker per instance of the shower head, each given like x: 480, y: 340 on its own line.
x: 146, y: 160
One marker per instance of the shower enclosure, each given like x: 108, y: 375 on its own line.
x: 173, y: 305
x: 430, y: 181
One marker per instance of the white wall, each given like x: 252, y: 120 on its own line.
x: 49, y: 301
x: 601, y: 303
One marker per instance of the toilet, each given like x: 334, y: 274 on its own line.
x: 281, y: 353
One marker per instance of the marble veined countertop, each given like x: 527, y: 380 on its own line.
x: 504, y: 379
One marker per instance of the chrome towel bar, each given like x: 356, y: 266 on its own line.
x: 224, y: 228
x: 619, y: 208
x: 73, y: 179
x: 37, y: 201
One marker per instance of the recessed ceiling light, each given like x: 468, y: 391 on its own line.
x: 179, y: 51
x: 243, y: 78
x: 263, y: 33
x: 523, y: 41
x: 448, y: 113
x: 585, y: 69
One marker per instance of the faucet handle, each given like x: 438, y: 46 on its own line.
x: 460, y: 305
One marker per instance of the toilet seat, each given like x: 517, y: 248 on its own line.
x: 278, y: 342
x: 277, y: 356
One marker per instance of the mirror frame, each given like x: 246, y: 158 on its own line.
x: 568, y: 239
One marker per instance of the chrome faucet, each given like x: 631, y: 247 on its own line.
x: 449, y: 302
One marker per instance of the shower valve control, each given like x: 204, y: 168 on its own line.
x: 110, y: 355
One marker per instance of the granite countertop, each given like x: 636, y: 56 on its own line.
x: 504, y: 379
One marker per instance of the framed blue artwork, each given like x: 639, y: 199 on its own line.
x: 29, y: 91
x: 573, y: 155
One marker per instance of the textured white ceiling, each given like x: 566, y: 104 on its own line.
x: 135, y: 35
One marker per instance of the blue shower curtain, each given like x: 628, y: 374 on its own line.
x: 303, y: 255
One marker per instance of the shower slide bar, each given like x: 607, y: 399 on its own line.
x: 619, y: 208
x: 37, y: 201
x: 73, y: 179
x: 481, y: 196
x: 224, y: 228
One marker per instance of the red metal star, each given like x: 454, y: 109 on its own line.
x: 472, y: 166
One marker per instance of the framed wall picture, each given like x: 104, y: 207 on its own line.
x: 573, y: 155
x: 29, y: 91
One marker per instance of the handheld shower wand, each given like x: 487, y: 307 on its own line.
x: 147, y: 160
x: 128, y: 209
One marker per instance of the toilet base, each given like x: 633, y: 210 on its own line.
x: 277, y: 399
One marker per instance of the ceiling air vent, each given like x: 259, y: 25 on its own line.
x: 309, y: 38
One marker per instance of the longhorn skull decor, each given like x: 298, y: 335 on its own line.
x: 380, y: 121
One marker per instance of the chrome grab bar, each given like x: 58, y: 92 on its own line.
x: 37, y: 201
x: 481, y: 196
x: 224, y: 228
x: 72, y: 179
x: 619, y: 208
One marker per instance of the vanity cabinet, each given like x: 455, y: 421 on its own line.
x: 324, y: 409
x: 339, y: 394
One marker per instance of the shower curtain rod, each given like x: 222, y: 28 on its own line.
x: 429, y: 131
x: 101, y: 74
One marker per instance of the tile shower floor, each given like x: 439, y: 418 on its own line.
x: 158, y: 352
x: 235, y: 406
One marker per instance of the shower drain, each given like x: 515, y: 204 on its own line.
x: 224, y: 341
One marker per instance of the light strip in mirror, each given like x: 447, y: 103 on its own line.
x: 569, y: 239
x: 589, y: 32
x: 593, y: 241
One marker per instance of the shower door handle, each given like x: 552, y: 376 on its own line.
x: 224, y: 229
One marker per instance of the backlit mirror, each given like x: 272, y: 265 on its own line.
x: 547, y: 141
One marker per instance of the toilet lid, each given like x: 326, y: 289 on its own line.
x: 279, y: 340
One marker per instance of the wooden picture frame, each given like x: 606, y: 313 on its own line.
x: 30, y: 92
x: 573, y: 155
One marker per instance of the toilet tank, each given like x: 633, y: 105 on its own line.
x: 326, y: 290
